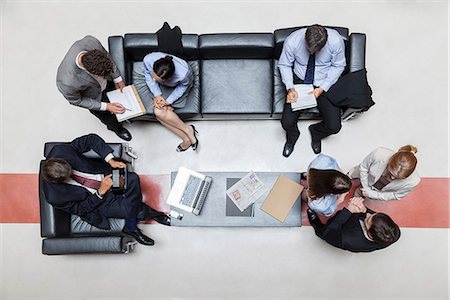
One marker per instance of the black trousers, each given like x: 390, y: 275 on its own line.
x: 330, y: 124
x: 128, y: 205
x: 106, y: 117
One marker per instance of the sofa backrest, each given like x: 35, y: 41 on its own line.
x: 138, y: 45
x: 236, y: 46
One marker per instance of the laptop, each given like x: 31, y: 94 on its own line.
x: 189, y: 190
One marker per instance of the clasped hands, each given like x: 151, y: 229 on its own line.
x: 161, y: 103
x: 356, y: 205
x: 292, y: 95
x: 107, y: 183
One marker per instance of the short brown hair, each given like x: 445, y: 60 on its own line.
x: 403, y: 162
x: 383, y: 230
x: 97, y: 63
x: 56, y: 170
x: 316, y: 37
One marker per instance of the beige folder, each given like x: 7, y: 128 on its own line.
x: 281, y: 198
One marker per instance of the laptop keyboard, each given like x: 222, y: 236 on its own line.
x: 189, y: 194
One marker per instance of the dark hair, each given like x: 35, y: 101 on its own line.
x: 97, y: 63
x: 164, y: 67
x: 56, y: 170
x: 316, y: 37
x: 327, y: 182
x: 383, y: 230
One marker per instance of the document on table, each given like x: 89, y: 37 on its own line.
x: 305, y: 99
x: 130, y: 99
x: 246, y: 191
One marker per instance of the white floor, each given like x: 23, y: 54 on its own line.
x: 407, y: 62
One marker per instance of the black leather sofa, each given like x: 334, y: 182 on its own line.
x: 236, y: 74
x: 67, y: 234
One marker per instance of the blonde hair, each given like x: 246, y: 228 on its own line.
x: 403, y: 162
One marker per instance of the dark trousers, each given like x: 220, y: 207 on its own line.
x: 106, y: 117
x: 330, y: 124
x: 129, y: 205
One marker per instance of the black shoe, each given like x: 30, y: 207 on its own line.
x: 288, y: 149
x: 195, y: 145
x: 139, y: 236
x: 316, y: 146
x: 163, y: 219
x: 124, y: 134
x: 181, y: 149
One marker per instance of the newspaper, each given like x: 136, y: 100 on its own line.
x: 246, y: 191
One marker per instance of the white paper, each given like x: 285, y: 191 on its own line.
x: 246, y: 191
x: 305, y: 99
x: 127, y: 99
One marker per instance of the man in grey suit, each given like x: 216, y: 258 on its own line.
x: 85, y: 74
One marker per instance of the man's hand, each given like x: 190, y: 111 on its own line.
x: 291, y: 96
x: 356, y: 205
x: 115, y: 108
x: 120, y: 85
x: 116, y: 164
x: 105, y: 185
x: 317, y: 92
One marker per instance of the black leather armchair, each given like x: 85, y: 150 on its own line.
x: 68, y: 234
x: 236, y: 74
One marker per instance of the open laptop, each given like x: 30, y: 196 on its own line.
x: 189, y: 190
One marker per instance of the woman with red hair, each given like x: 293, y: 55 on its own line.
x: 387, y: 175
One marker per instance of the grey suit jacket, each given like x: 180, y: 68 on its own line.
x: 371, y: 169
x: 76, y: 85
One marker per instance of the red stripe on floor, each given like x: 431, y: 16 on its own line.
x: 426, y: 207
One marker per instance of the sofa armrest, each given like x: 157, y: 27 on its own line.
x: 357, y: 59
x: 116, y: 50
x: 91, y: 244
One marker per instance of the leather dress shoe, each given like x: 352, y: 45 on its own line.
x: 139, y: 236
x: 316, y: 146
x: 163, y: 219
x: 124, y: 134
x: 288, y: 149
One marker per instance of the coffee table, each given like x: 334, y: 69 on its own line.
x: 213, y: 212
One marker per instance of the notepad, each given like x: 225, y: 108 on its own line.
x: 281, y: 198
x: 130, y: 99
x: 305, y: 99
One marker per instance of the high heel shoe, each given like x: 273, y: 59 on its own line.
x: 181, y: 149
x: 195, y: 145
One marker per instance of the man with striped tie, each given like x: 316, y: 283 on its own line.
x: 82, y: 186
x: 313, y: 55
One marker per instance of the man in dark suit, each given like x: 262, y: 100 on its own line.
x: 84, y: 76
x: 356, y: 228
x: 82, y: 186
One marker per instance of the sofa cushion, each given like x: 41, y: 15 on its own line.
x: 80, y: 227
x: 192, y: 102
x: 236, y: 45
x: 236, y: 86
x: 281, y: 34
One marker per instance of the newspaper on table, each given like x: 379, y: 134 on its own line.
x: 246, y: 191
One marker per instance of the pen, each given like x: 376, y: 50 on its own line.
x: 127, y: 109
